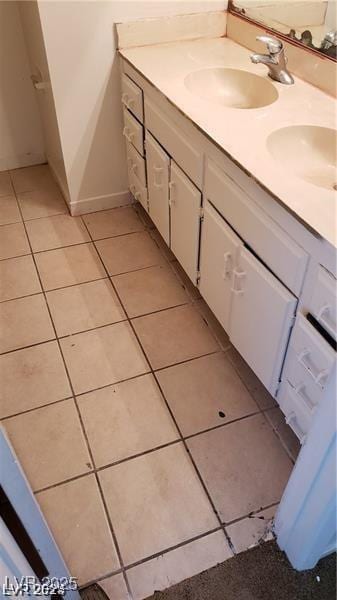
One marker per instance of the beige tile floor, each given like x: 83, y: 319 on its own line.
x: 152, y: 448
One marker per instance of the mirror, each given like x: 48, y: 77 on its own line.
x: 307, y: 22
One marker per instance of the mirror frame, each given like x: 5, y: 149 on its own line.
x: 316, y: 51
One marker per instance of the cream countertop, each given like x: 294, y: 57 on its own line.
x: 242, y: 133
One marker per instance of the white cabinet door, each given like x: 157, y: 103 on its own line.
x: 158, y: 168
x: 218, y: 258
x: 261, y: 316
x: 185, y: 203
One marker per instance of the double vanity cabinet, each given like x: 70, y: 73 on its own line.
x: 267, y: 278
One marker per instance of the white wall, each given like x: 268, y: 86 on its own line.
x: 81, y: 52
x: 32, y: 31
x: 21, y: 138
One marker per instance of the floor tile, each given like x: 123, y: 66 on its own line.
x: 126, y: 419
x: 115, y: 587
x: 155, y: 501
x: 56, y: 232
x: 32, y: 377
x: 162, y: 245
x: 18, y: 277
x: 213, y: 323
x: 174, y: 335
x: 49, y: 444
x: 103, y: 356
x: 9, y: 210
x: 129, y: 253
x: 144, y: 216
x: 42, y: 203
x: 6, y: 188
x: 13, y: 241
x: 204, y: 393
x: 32, y: 178
x: 84, y: 306
x: 289, y: 440
x: 251, y: 531
x: 191, y: 289
x: 24, y: 322
x: 76, y: 516
x: 149, y: 290
x: 109, y: 223
x: 254, y: 385
x: 243, y: 466
x: 172, y: 567
x: 69, y: 266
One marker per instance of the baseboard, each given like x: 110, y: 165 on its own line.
x: 88, y: 205
x: 22, y: 160
x: 62, y: 185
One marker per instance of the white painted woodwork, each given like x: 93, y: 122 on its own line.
x: 133, y: 131
x: 218, y: 259
x: 273, y: 245
x: 185, y: 203
x: 323, y: 304
x: 261, y: 317
x: 158, y: 168
x: 178, y: 145
x: 132, y: 97
x: 136, y: 163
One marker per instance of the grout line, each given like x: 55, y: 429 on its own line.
x: 29, y: 346
x: 115, y: 542
x: 172, y: 415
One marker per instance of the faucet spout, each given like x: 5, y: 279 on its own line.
x: 275, y: 60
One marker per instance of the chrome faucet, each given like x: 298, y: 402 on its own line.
x: 275, y: 60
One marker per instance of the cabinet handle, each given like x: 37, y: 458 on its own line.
x: 172, y: 199
x: 291, y: 420
x: 237, y: 275
x: 226, y: 267
x: 324, y: 322
x: 128, y: 102
x: 319, y: 378
x: 299, y: 391
x: 157, y: 170
x: 127, y: 134
x: 134, y: 168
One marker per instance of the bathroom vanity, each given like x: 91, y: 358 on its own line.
x: 212, y: 150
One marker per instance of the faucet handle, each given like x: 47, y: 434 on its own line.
x: 274, y: 45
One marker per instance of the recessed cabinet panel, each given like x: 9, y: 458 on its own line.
x: 158, y: 166
x: 132, y: 97
x: 185, y: 202
x: 218, y: 258
x: 261, y: 317
x: 133, y: 131
x: 136, y: 163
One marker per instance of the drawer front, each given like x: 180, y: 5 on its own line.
x: 136, y: 163
x: 296, y: 413
x: 132, y: 97
x: 180, y: 148
x: 138, y: 191
x: 133, y: 131
x: 323, y: 304
x: 275, y: 248
x: 310, y: 359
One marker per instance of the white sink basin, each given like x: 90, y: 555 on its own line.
x: 308, y: 152
x: 231, y: 87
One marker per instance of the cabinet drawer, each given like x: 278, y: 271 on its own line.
x: 297, y: 415
x: 323, y: 304
x: 181, y: 149
x: 133, y: 131
x: 132, y: 97
x: 310, y: 359
x: 136, y: 163
x: 138, y: 191
x: 276, y: 249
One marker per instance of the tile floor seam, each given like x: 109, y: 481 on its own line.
x: 21, y: 297
x: 250, y: 514
x: 17, y: 255
x: 201, y: 481
x: 78, y: 411
x: 27, y: 347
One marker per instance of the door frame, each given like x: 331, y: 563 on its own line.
x: 18, y: 491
